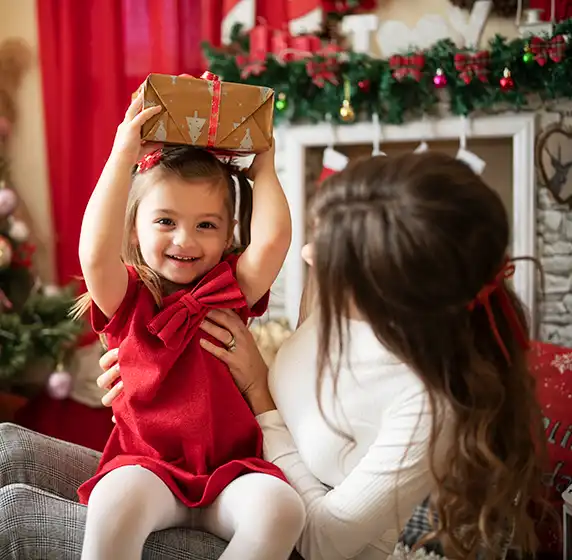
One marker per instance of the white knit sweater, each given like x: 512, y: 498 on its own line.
x: 358, y: 496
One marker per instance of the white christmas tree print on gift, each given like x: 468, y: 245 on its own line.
x: 246, y: 142
x: 160, y: 132
x: 195, y: 124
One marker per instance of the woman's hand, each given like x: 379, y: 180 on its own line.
x: 110, y: 366
x: 241, y: 355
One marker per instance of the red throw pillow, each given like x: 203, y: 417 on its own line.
x: 552, y: 367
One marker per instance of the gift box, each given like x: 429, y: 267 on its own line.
x: 209, y: 113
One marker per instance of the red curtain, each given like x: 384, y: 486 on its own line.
x: 563, y: 8
x: 94, y: 53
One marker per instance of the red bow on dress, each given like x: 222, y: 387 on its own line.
x: 174, y: 324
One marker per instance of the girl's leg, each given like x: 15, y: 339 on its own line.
x: 261, y: 515
x: 36, y: 525
x: 44, y: 462
x: 124, y: 508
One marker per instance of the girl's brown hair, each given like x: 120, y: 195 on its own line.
x: 409, y: 242
x: 190, y: 164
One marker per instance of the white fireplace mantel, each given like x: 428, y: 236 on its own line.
x: 292, y: 142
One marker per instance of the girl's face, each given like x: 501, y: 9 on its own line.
x: 183, y: 229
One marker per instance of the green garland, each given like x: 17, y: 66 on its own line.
x: 373, y: 89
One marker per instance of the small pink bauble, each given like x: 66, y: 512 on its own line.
x: 440, y: 80
x: 5, y: 127
x: 59, y: 385
x: 8, y: 201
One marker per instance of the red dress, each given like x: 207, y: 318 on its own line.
x: 180, y: 414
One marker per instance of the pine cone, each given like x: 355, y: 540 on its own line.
x: 503, y: 8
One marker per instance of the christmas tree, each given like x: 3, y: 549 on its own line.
x: 34, y: 324
x: 35, y: 330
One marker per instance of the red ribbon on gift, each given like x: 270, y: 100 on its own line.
x: 407, y: 66
x: 472, y: 66
x: 548, y: 50
x: 215, y: 105
x: 324, y: 68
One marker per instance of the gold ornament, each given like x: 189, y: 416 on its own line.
x: 347, y: 112
x: 5, y: 252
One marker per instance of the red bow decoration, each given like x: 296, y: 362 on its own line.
x: 407, y: 66
x: 472, y: 66
x: 497, y: 286
x: 545, y: 50
x: 175, y: 324
x: 23, y: 254
x: 325, y: 66
x: 250, y: 67
x: 149, y: 161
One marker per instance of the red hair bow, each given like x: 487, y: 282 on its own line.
x: 497, y: 286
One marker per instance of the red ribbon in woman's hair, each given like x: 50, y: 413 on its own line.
x: 497, y: 286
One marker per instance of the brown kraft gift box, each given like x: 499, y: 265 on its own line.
x: 209, y: 113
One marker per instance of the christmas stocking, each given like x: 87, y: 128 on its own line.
x: 333, y: 163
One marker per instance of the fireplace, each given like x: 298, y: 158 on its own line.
x: 506, y: 141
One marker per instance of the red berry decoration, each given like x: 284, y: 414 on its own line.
x: 506, y: 82
x: 364, y: 85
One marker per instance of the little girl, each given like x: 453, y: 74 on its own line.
x: 186, y: 449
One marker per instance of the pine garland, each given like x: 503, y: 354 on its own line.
x: 374, y: 89
x: 41, y: 332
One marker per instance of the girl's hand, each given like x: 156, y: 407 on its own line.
x: 241, y: 355
x: 262, y: 163
x: 110, y: 366
x: 127, y: 142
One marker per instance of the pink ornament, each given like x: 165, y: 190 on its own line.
x: 5, y: 127
x: 440, y: 80
x: 8, y: 201
x: 59, y: 385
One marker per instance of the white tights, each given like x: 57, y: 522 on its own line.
x: 259, y: 514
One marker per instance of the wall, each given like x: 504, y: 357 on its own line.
x: 27, y: 149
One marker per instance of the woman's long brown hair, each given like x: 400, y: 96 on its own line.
x: 190, y: 164
x: 409, y: 242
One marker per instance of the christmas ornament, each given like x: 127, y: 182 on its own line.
x: 407, y: 67
x: 528, y: 55
x: 51, y: 291
x: 5, y: 127
x: 8, y: 200
x: 18, y: 231
x: 5, y: 252
x: 543, y: 50
x: 347, y: 112
x: 324, y: 66
x: 23, y: 254
x: 281, y: 102
x: 59, y: 383
x: 506, y: 82
x: 364, y: 85
x: 471, y: 66
x: 439, y: 79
